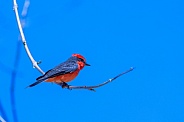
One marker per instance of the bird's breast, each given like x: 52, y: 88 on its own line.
x: 64, y: 78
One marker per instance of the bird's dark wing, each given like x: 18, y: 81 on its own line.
x: 67, y: 67
x: 64, y: 68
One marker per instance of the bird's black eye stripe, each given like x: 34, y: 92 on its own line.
x: 80, y: 59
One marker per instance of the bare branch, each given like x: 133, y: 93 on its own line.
x: 24, y: 12
x: 92, y: 88
x: 13, y: 79
x: 1, y: 119
x: 2, y: 111
x: 17, y: 58
x: 35, y: 64
x: 25, y: 8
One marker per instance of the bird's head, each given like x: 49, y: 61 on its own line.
x: 81, y: 60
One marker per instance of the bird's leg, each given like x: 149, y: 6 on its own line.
x: 64, y: 85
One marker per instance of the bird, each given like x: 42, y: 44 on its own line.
x: 64, y: 72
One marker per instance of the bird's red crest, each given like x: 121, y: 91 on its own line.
x: 79, y: 56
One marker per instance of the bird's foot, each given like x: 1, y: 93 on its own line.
x: 65, y: 85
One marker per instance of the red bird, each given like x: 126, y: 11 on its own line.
x: 64, y: 72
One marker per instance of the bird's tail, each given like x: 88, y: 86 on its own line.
x: 35, y: 83
x: 39, y: 80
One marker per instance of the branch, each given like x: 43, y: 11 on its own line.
x: 13, y: 79
x: 1, y: 119
x: 17, y: 58
x: 92, y: 88
x: 2, y: 111
x: 35, y: 64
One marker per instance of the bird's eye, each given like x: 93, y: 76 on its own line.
x: 80, y: 59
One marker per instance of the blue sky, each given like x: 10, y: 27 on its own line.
x: 113, y: 35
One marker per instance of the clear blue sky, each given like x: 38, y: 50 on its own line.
x: 113, y: 35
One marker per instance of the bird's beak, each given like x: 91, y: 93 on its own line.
x: 87, y: 64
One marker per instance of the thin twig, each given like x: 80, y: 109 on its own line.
x: 3, y: 113
x: 17, y: 59
x: 92, y: 88
x: 13, y: 79
x: 35, y: 64
x: 1, y: 119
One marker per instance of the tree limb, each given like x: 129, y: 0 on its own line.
x: 92, y: 88
x: 17, y: 58
x: 1, y: 119
x: 13, y: 81
x: 35, y: 64
x: 3, y: 113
